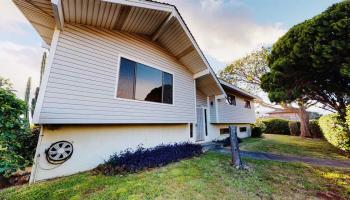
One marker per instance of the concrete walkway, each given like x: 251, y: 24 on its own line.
x: 283, y: 158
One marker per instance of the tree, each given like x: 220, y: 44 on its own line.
x: 36, y: 94
x: 246, y: 72
x: 311, y: 62
x: 14, y: 132
x: 6, y: 84
x: 27, y: 96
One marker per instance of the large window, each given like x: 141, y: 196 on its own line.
x: 141, y: 82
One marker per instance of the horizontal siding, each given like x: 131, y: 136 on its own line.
x: 201, y: 98
x: 212, y: 109
x: 82, y: 81
x: 235, y: 113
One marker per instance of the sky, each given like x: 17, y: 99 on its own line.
x: 224, y: 29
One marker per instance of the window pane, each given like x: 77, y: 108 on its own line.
x: 247, y: 104
x: 168, y: 88
x: 126, y: 79
x: 231, y: 99
x: 148, y: 83
x: 224, y: 131
x: 243, y: 129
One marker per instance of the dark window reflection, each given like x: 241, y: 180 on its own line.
x: 126, y: 79
x: 168, y: 88
x: 148, y: 84
x: 231, y: 99
x: 141, y: 82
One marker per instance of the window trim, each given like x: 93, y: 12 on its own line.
x: 148, y: 65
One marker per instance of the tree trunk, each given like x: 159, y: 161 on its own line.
x: 304, y: 122
x: 236, y: 158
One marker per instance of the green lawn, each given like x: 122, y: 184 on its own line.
x: 292, y: 145
x: 209, y: 176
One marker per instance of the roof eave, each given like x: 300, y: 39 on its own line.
x: 174, y: 12
x: 238, y: 89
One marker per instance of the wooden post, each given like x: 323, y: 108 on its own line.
x: 236, y: 158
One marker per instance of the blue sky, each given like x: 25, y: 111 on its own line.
x: 224, y: 29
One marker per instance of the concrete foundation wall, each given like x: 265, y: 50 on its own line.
x: 95, y: 143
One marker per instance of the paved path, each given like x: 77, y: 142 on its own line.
x: 283, y: 158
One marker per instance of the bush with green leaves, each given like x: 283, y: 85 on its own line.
x: 335, y: 131
x: 315, y: 129
x: 294, y: 128
x: 16, y: 151
x: 276, y: 126
x: 348, y: 116
x: 258, y: 128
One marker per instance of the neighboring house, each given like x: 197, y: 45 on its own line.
x: 283, y: 114
x: 289, y: 115
x: 123, y: 73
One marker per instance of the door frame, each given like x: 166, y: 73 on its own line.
x: 201, y: 132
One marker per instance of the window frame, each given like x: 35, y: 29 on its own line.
x: 120, y: 56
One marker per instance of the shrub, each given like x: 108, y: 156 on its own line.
x: 348, y: 115
x: 276, y: 126
x: 226, y: 142
x: 315, y: 129
x: 14, y: 134
x: 141, y: 158
x: 294, y: 128
x: 335, y: 131
x: 257, y: 129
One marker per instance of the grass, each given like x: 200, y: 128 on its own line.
x: 292, y: 145
x: 209, y: 176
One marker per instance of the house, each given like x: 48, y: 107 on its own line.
x: 123, y: 73
x: 289, y: 114
x: 283, y: 114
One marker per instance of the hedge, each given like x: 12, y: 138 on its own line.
x: 276, y: 126
x: 294, y: 128
x: 141, y: 158
x: 335, y: 131
x: 315, y: 129
x: 257, y: 129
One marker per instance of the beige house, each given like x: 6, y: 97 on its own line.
x: 123, y: 73
x: 284, y: 114
x: 290, y: 115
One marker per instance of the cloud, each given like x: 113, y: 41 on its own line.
x: 11, y: 19
x: 225, y: 30
x: 18, y: 62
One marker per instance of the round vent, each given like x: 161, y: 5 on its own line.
x: 59, y: 152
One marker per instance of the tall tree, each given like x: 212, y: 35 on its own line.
x: 36, y: 93
x: 246, y: 72
x: 6, y: 84
x: 42, y: 67
x: 311, y: 62
x: 27, y: 96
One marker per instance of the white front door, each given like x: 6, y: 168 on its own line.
x: 201, y: 124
